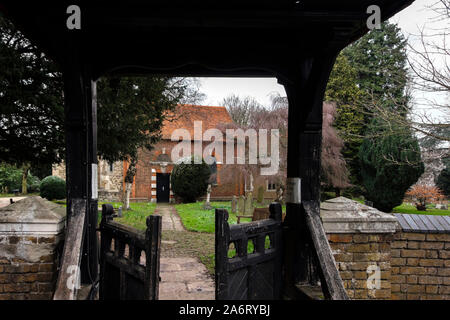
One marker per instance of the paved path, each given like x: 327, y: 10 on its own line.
x: 5, y: 201
x: 182, y: 278
x: 170, y: 218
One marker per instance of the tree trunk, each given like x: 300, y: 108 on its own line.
x: 129, y: 177
x: 25, y: 169
x: 127, y: 195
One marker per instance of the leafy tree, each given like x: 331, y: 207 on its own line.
x: 390, y: 164
x: 381, y: 63
x: 342, y: 89
x: 425, y: 194
x: 31, y: 103
x: 443, y: 180
x: 189, y: 180
x: 130, y: 109
x: 10, y: 178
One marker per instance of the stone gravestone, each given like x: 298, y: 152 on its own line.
x: 248, y: 207
x: 240, y: 204
x: 234, y: 204
x: 207, y: 205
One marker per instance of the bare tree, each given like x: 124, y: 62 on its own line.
x: 429, y: 60
x: 275, y: 116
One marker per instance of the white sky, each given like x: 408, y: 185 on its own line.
x: 409, y: 20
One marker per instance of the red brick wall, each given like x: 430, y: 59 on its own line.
x: 354, y: 253
x: 414, y: 266
x: 420, y: 266
x: 25, y: 280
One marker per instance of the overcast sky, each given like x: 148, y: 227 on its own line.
x: 409, y: 20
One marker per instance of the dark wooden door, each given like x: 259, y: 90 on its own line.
x: 248, y: 257
x: 162, y: 187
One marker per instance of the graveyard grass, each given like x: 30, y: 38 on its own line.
x: 407, y: 208
x: 196, y: 219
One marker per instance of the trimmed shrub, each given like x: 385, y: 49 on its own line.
x: 443, y: 180
x: 190, y: 181
x: 52, y: 188
x: 390, y: 164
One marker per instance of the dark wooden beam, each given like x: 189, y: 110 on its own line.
x: 80, y: 247
x: 305, y: 89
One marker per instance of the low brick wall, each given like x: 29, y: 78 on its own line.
x: 25, y: 278
x: 413, y: 266
x: 31, y: 238
x: 354, y: 253
x: 412, y: 259
x: 420, y: 266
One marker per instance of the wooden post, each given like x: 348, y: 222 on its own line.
x: 221, y: 247
x: 152, y: 252
x: 305, y: 90
x: 81, y: 171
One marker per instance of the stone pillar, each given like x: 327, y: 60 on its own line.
x: 360, y: 238
x: 31, y: 235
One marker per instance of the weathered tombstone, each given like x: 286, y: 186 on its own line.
x: 241, y: 202
x: 234, y: 204
x: 248, y: 206
x: 207, y: 205
x: 260, y: 198
x: 260, y: 214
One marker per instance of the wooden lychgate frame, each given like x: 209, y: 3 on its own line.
x: 295, y: 41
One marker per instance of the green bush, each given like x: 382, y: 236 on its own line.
x: 390, y: 164
x: 52, y: 188
x: 10, y: 178
x: 443, y: 180
x: 189, y: 180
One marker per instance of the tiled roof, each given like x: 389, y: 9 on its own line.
x: 184, y: 116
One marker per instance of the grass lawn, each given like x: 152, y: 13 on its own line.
x: 196, y: 219
x: 135, y: 217
x: 12, y: 195
x: 407, y: 208
x: 199, y: 240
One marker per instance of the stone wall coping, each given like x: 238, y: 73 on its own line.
x: 342, y: 215
x: 32, y: 215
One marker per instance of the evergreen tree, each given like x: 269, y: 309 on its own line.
x: 443, y: 180
x: 130, y: 110
x: 381, y: 63
x: 390, y: 164
x: 342, y: 89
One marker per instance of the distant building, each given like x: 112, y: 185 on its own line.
x: 152, y: 179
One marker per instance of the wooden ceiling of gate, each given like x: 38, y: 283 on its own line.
x: 222, y: 38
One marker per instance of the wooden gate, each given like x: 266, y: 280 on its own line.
x: 252, y: 269
x: 129, y: 261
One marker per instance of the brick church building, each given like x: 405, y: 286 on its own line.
x: 152, y: 179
